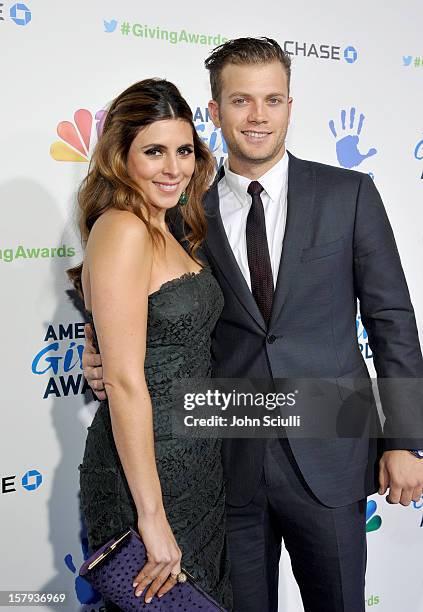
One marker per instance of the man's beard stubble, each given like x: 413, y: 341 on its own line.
x: 237, y: 152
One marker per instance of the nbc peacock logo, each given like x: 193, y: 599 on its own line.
x: 76, y: 137
x: 373, y: 520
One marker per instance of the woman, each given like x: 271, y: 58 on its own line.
x: 153, y: 307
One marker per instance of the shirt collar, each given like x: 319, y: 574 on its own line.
x: 273, y: 181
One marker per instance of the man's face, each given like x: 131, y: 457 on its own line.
x: 253, y: 113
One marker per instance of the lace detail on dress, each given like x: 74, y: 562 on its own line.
x: 175, y: 281
x: 181, y: 316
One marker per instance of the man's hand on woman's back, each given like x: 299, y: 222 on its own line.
x: 92, y: 366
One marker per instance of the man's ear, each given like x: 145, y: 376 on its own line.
x: 214, y: 112
x: 289, y: 109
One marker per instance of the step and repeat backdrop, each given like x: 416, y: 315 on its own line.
x: 358, y: 96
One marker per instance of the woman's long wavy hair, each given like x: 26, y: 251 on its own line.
x: 108, y: 184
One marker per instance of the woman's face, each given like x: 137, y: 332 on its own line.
x: 161, y: 161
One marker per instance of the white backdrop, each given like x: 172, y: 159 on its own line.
x: 60, y: 58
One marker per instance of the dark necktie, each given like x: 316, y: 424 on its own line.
x: 258, y: 253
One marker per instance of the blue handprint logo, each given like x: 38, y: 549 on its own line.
x: 85, y: 593
x: 347, y: 146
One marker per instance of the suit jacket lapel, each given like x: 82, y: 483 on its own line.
x: 219, y: 249
x: 301, y: 195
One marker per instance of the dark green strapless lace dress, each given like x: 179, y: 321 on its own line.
x: 181, y: 317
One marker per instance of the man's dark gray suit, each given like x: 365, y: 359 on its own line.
x: 338, y: 247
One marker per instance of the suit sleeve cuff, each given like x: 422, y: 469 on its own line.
x: 388, y: 444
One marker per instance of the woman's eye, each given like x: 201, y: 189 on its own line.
x: 153, y: 152
x: 186, y: 151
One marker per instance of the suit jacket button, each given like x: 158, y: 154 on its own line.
x: 271, y: 338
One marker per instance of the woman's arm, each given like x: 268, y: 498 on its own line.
x: 119, y: 258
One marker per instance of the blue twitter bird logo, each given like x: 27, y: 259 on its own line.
x: 110, y: 26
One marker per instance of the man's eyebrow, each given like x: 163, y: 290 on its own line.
x: 241, y: 94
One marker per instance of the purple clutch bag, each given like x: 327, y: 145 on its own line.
x: 112, y: 569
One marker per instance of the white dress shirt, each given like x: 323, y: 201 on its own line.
x: 234, y: 205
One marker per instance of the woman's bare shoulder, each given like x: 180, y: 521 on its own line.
x: 116, y: 227
x: 118, y: 247
x: 115, y: 221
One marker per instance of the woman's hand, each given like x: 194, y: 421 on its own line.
x: 163, y: 556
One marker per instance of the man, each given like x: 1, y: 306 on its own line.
x: 293, y: 245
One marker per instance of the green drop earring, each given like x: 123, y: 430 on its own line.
x: 183, y: 198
